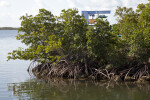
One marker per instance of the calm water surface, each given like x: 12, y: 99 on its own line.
x: 15, y: 82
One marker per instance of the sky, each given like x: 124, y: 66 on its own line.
x: 12, y: 10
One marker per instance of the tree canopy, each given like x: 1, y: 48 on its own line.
x: 134, y: 26
x: 54, y: 38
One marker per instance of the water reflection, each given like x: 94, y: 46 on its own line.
x: 56, y: 89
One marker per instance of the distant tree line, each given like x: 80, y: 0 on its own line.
x: 8, y: 28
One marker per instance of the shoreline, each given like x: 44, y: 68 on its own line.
x: 9, y: 28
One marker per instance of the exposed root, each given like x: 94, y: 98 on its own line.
x: 137, y: 72
x: 32, y: 65
x: 62, y: 69
x: 66, y: 69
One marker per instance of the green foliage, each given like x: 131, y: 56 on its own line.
x: 65, y: 37
x: 73, y: 35
x: 135, y: 28
x: 51, y: 38
x: 101, y: 41
x: 40, y: 35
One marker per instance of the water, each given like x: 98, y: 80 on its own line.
x: 12, y: 71
x: 15, y: 82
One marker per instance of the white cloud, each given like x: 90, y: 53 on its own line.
x: 102, y: 4
x: 93, y: 4
x: 39, y: 3
x: 72, y: 4
x: 4, y: 4
x: 4, y: 17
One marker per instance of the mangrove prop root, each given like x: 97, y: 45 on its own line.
x: 66, y: 69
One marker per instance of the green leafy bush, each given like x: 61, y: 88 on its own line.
x: 67, y: 37
x: 134, y: 26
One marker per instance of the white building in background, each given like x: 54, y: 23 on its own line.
x: 91, y: 16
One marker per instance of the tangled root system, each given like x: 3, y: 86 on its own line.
x: 64, y: 69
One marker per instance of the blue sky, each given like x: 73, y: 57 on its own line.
x: 11, y: 10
